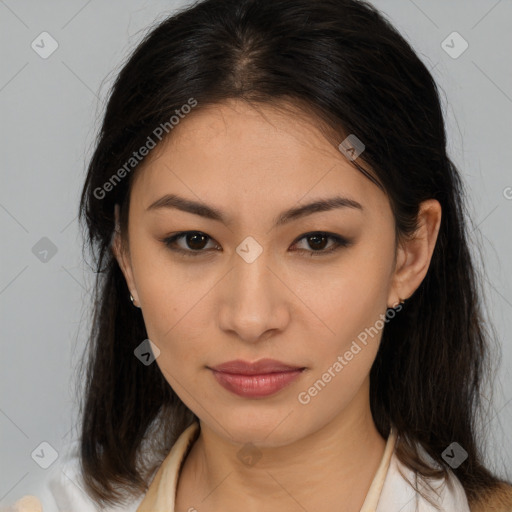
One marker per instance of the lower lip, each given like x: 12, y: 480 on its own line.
x: 256, y: 386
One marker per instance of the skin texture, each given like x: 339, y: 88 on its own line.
x: 303, y: 310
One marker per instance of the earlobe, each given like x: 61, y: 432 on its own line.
x: 414, y: 254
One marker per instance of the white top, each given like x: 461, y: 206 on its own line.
x: 389, y: 491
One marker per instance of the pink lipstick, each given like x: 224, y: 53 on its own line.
x: 255, y: 380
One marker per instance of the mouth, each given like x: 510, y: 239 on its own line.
x: 255, y: 380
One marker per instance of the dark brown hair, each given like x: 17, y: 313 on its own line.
x: 342, y: 62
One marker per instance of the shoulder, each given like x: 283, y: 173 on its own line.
x: 498, y: 499
x: 407, y: 491
x: 62, y: 490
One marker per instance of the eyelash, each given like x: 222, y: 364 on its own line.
x: 339, y: 242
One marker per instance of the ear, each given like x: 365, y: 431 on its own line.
x: 122, y: 256
x: 414, y: 254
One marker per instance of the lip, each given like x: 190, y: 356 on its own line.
x: 263, y: 366
x: 255, y: 380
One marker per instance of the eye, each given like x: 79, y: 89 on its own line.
x: 318, y: 241
x: 195, y: 243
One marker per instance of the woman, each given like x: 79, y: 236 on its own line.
x: 287, y: 308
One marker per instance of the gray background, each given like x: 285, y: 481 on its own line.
x: 50, y: 110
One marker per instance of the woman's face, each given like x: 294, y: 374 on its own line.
x: 251, y: 285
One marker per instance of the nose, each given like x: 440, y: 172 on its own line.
x: 254, y: 301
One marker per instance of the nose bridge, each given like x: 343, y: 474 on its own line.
x: 251, y: 275
x: 253, y: 302
x: 251, y: 261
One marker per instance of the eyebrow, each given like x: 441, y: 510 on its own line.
x: 209, y: 212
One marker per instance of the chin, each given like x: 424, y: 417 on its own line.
x: 265, y: 430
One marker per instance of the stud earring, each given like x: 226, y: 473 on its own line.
x: 400, y: 302
x: 133, y: 301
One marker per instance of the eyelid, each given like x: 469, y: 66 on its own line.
x: 339, y: 242
x: 167, y: 241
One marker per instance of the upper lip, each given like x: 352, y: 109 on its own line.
x: 260, y: 367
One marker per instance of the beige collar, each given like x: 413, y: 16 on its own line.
x: 161, y: 494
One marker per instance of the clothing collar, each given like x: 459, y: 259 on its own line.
x: 161, y: 494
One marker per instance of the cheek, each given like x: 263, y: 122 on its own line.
x: 170, y: 292
x: 350, y: 296
x: 353, y: 307
x: 351, y: 302
x: 177, y: 325
x: 173, y: 312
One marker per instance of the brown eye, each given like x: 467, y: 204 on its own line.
x: 193, y: 243
x: 317, y: 242
x: 196, y: 241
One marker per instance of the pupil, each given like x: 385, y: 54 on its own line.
x: 196, y: 241
x: 316, y: 238
x: 195, y: 236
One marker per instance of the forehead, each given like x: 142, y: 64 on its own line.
x: 233, y: 152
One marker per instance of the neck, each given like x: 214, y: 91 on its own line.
x: 337, y: 462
